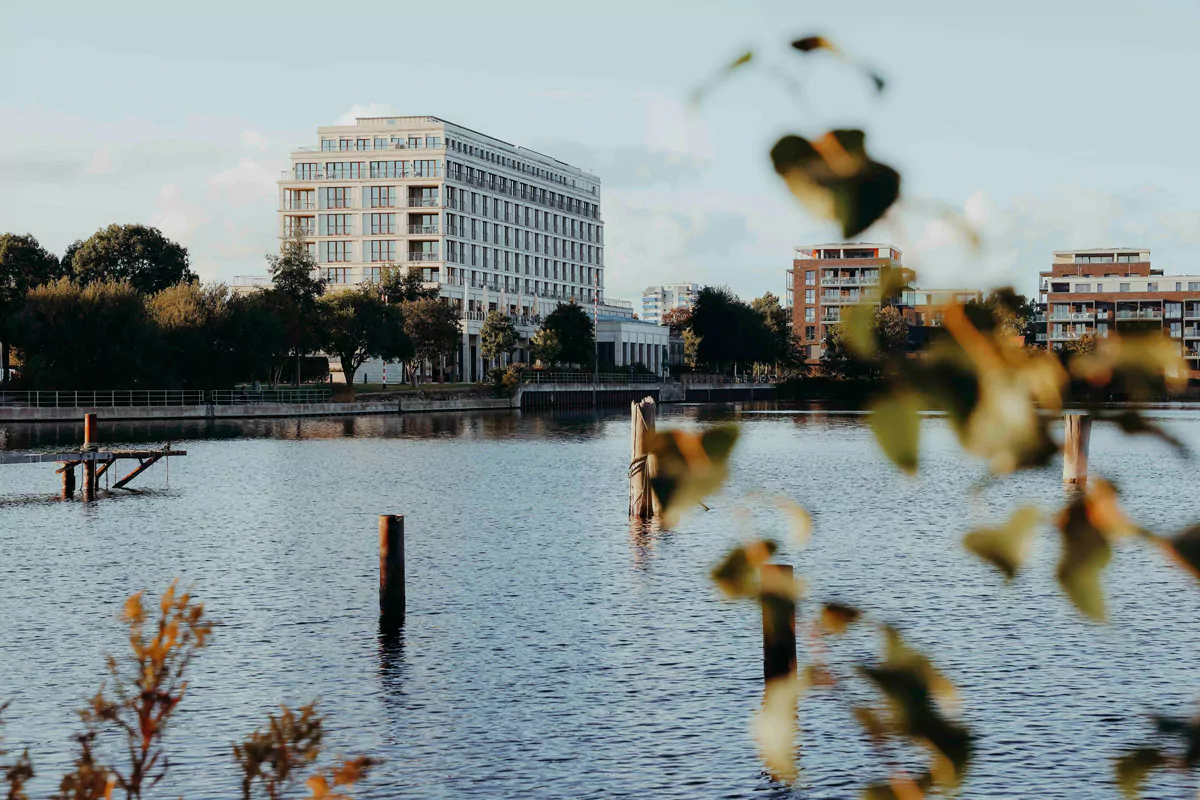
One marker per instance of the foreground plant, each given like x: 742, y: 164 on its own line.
x: 144, y: 689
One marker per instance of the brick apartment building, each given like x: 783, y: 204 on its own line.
x: 1101, y: 290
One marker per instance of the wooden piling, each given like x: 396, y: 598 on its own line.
x: 1077, y: 432
x: 68, y: 481
x: 779, y: 621
x: 391, y: 568
x: 90, y: 442
x: 641, y: 496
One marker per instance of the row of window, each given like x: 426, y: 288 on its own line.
x: 357, y: 170
x: 523, y: 191
x: 515, y: 164
x: 1151, y: 286
x: 507, y: 211
x: 381, y: 143
x: 378, y: 224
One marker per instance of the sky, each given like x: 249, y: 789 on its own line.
x: 1046, y: 125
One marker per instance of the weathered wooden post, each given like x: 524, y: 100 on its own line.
x: 68, y: 481
x: 779, y: 621
x: 90, y: 439
x: 641, y: 496
x: 391, y: 569
x: 1077, y: 431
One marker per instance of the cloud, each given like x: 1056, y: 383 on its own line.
x: 628, y: 165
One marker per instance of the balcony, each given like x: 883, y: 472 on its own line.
x: 1040, y: 319
x: 1154, y: 313
x: 1066, y: 335
x: 1191, y: 333
x: 423, y: 229
x: 423, y: 202
x: 299, y: 205
x: 1084, y: 316
x: 416, y: 255
x: 1041, y: 337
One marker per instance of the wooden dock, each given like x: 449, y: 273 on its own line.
x: 95, y: 462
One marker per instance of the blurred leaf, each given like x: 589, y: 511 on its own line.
x: 1088, y: 524
x: 689, y: 466
x: 858, y: 322
x: 1006, y: 547
x: 701, y: 92
x: 775, y: 727
x: 835, y: 179
x: 800, y: 523
x: 1141, y: 366
x: 836, y: 618
x: 899, y: 787
x: 1185, y: 547
x: 809, y: 44
x: 1133, y: 423
x: 874, y: 725
x: 738, y: 573
x: 1133, y: 767
x: 896, y: 421
x: 898, y: 653
x: 1188, y: 731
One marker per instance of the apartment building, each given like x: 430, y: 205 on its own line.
x: 495, y: 226
x: 825, y: 278
x: 658, y: 300
x: 923, y: 307
x: 1098, y: 291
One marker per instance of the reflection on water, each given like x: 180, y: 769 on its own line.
x: 553, y: 649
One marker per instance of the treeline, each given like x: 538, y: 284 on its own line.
x: 722, y: 333
x: 123, y: 310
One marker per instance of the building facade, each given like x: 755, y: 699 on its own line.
x: 658, y: 300
x: 825, y: 278
x: 923, y: 307
x: 495, y: 226
x: 1098, y: 291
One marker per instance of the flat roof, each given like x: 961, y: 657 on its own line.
x: 1101, y: 250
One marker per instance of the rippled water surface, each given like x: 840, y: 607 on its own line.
x: 551, y: 651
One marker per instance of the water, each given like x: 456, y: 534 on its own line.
x: 551, y: 650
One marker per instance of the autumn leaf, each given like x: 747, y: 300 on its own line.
x: 836, y: 617
x: 689, y: 466
x: 1088, y: 526
x: 1134, y: 766
x: 700, y: 93
x: 776, y: 729
x: 835, y: 179
x: 1007, y: 546
x: 738, y: 573
x: 800, y: 524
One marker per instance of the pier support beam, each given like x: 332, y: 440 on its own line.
x: 68, y: 481
x: 1077, y: 431
x: 641, y: 496
x: 90, y: 442
x: 779, y: 621
x: 391, y: 570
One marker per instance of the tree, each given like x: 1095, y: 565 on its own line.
x: 85, y: 337
x: 498, y: 336
x: 358, y: 324
x: 257, y: 337
x: 24, y: 264
x: 777, y: 319
x: 191, y: 338
x: 677, y: 319
x: 545, y: 346
x: 294, y: 293
x: 890, y: 331
x: 729, y: 331
x: 401, y: 285
x: 433, y: 327
x: 141, y: 255
x: 575, y: 333
x: 1084, y: 344
x: 1013, y: 313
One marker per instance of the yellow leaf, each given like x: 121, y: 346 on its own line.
x: 775, y: 727
x: 800, y: 524
x: 1007, y: 546
x: 896, y: 421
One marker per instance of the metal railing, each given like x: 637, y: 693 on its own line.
x: 587, y: 377
x: 123, y: 398
x: 422, y: 228
x: 237, y: 397
x: 103, y: 399
x: 423, y: 202
x: 415, y: 255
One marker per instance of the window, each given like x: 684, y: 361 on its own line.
x: 389, y: 169
x: 299, y: 199
x: 383, y: 197
x: 810, y: 277
x: 426, y: 169
x: 382, y: 224
x: 337, y: 197
x: 810, y: 333
x: 1193, y: 286
x: 337, y: 276
x: 384, y: 250
x: 810, y: 296
x: 1124, y: 287
x: 810, y: 314
x: 336, y: 251
x: 1083, y: 287
x: 343, y: 170
x: 423, y: 197
x: 1152, y: 286
x: 305, y: 225
x: 306, y: 172
x: 338, y: 225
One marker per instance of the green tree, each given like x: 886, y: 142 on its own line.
x: 359, y: 325
x: 141, y: 255
x: 402, y: 285
x: 24, y: 264
x: 294, y: 293
x: 545, y: 346
x: 190, y: 323
x: 576, y: 335
x: 777, y: 320
x: 890, y: 333
x: 256, y: 336
x: 85, y: 337
x: 434, y: 329
x: 498, y: 336
x: 729, y: 332
x: 1013, y: 313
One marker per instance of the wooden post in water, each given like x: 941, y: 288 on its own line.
x: 641, y: 496
x: 779, y: 621
x: 1077, y: 431
x: 90, y: 439
x: 68, y: 481
x: 391, y: 569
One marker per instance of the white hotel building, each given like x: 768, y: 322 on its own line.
x: 496, y: 226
